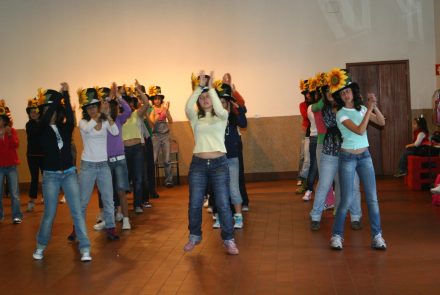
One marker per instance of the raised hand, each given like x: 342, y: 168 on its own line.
x: 64, y: 86
x: 202, y: 79
x: 211, y: 80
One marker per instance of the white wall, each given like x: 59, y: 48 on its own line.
x: 267, y: 46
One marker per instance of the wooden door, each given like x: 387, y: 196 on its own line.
x: 390, y: 82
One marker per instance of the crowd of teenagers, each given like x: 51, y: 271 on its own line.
x: 123, y: 131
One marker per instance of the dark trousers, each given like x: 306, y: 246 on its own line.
x: 313, y: 171
x: 35, y: 164
x: 135, y: 164
x: 150, y: 175
x: 241, y: 180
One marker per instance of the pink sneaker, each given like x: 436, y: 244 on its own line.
x: 190, y: 245
x: 231, y: 247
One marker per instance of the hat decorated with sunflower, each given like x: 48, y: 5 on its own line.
x: 313, y: 84
x: 87, y: 97
x: 155, y: 91
x: 195, y: 81
x: 304, y: 86
x: 338, y: 79
x: 32, y: 104
x: 223, y: 90
x: 102, y: 92
x: 5, y: 113
x: 321, y: 77
x: 47, y: 96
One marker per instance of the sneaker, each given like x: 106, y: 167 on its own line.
x: 356, y: 225
x: 138, y: 210
x: 245, y: 209
x: 72, y: 236
x: 214, y: 217
x: 436, y: 190
x: 63, y: 200
x: 336, y: 242
x: 147, y: 205
x: 216, y: 224
x: 299, y: 182
x: 206, y: 203
x: 16, y: 220
x: 99, y: 218
x: 99, y: 225
x: 400, y: 173
x: 38, y: 254
x: 231, y: 247
x: 378, y: 243
x: 190, y: 246
x: 300, y: 190
x: 126, y: 223
x: 238, y: 218
x: 209, y: 209
x: 30, y: 206
x: 169, y: 184
x: 119, y: 217
x: 307, y: 196
x: 85, y: 256
x: 315, y: 225
x: 111, y: 234
x: 328, y: 207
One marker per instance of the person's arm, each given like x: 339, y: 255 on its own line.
x: 241, y: 117
x: 376, y: 117
x: 358, y: 129
x: 316, y: 107
x: 167, y: 108
x: 111, y: 126
x: 418, y: 140
x: 152, y: 117
x: 190, y: 112
x: 70, y: 117
x: 87, y: 126
x: 126, y: 110
x: 146, y: 104
x: 217, y: 105
x: 13, y: 137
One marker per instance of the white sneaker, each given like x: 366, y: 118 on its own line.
x: 299, y: 182
x: 30, y: 206
x: 378, y: 243
x: 38, y: 254
x: 336, y: 242
x: 307, y: 196
x: 245, y: 208
x: 119, y: 217
x: 436, y: 190
x: 138, y: 210
x: 99, y: 225
x: 85, y: 256
x: 209, y: 209
x: 99, y: 218
x: 63, y: 200
x: 206, y: 203
x: 126, y: 223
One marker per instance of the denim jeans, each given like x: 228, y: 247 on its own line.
x: 234, y: 186
x: 329, y: 173
x: 35, y: 164
x: 161, y: 143
x: 135, y: 164
x: 10, y: 172
x: 306, y: 163
x: 313, y: 170
x: 215, y: 171
x: 349, y: 164
x: 98, y: 172
x: 403, y: 161
x: 53, y: 181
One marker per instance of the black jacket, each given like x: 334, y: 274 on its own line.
x: 54, y: 158
x: 33, y: 141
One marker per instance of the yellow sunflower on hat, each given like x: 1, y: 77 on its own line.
x: 217, y: 85
x: 41, y: 96
x: 336, y: 79
x: 303, y: 85
x: 313, y: 83
x: 152, y: 91
x: 3, y: 108
x: 82, y: 96
x: 194, y: 81
x: 322, y: 79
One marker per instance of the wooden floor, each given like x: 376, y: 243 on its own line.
x: 278, y: 252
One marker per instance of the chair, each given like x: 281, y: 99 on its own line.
x: 174, y: 162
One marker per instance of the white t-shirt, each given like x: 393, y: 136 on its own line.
x: 311, y: 116
x: 95, y: 141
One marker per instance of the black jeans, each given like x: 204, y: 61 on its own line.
x: 241, y: 180
x: 150, y: 175
x: 135, y: 164
x: 313, y: 171
x: 35, y: 164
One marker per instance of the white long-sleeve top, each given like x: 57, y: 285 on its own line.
x: 95, y: 141
x: 209, y: 131
x: 311, y: 116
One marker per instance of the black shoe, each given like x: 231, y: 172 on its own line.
x: 400, y: 174
x: 356, y: 225
x: 155, y: 196
x: 315, y: 225
x: 111, y: 234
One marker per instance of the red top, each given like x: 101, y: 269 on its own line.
x: 303, y: 111
x: 8, y: 149
x: 425, y: 140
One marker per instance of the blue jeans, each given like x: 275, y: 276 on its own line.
x: 11, y: 173
x: 135, y: 163
x: 349, y: 164
x: 234, y: 186
x: 215, y: 171
x: 98, y: 172
x: 53, y: 181
x: 328, y: 171
x: 305, y: 167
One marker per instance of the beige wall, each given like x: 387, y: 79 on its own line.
x: 437, y: 37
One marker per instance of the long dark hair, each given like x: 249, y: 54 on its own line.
x: 357, y: 98
x: 86, y: 116
x: 422, y: 125
x: 200, y: 111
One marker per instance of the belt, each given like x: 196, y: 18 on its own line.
x: 117, y: 158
